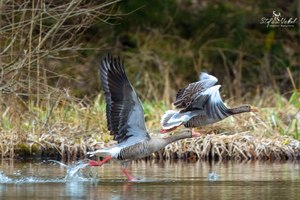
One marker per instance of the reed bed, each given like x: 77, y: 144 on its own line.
x: 234, y: 147
x: 68, y: 128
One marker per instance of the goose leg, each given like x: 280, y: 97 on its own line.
x: 99, y: 163
x: 129, y: 176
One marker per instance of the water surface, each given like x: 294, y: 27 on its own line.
x: 158, y: 180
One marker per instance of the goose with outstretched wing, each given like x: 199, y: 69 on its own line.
x: 199, y: 104
x: 125, y: 119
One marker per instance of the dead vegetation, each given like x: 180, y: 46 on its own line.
x: 235, y: 147
x: 34, y: 33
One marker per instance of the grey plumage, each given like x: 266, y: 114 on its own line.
x: 147, y: 147
x: 185, y: 97
x: 125, y: 117
x: 199, y: 104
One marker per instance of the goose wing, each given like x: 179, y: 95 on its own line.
x: 124, y: 112
x: 187, y: 95
x: 211, y: 102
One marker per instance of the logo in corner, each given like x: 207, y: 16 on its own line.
x: 278, y: 21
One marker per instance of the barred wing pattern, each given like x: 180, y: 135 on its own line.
x: 186, y: 96
x: 124, y: 112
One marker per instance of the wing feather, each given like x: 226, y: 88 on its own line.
x: 214, y: 106
x: 122, y: 102
x: 186, y: 96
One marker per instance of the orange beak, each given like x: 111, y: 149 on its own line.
x: 195, y: 135
x: 253, y: 110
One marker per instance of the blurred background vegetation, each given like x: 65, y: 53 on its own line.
x: 166, y: 44
x: 50, y: 52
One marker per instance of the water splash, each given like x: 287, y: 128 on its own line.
x: 29, y: 179
x: 4, y: 178
x: 74, y: 173
x: 213, y: 176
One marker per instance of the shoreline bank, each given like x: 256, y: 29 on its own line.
x: 207, y: 147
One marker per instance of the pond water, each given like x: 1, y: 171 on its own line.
x: 159, y: 180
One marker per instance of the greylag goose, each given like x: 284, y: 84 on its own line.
x: 199, y: 104
x: 125, y: 119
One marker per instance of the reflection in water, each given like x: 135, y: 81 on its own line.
x: 159, y: 180
x: 75, y: 189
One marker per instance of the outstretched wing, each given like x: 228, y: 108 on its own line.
x: 124, y: 112
x: 186, y: 96
x: 211, y: 102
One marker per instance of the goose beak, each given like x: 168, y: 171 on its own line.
x: 195, y: 134
x: 253, y: 110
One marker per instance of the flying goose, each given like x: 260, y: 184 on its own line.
x: 199, y: 104
x: 125, y: 119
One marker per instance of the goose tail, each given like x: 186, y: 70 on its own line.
x: 102, y: 153
x: 170, y: 121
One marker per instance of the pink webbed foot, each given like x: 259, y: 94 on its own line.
x: 168, y: 130
x: 129, y: 177
x: 94, y: 163
x: 99, y: 163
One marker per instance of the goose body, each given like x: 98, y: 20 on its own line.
x: 140, y: 149
x: 125, y: 119
x: 199, y: 104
